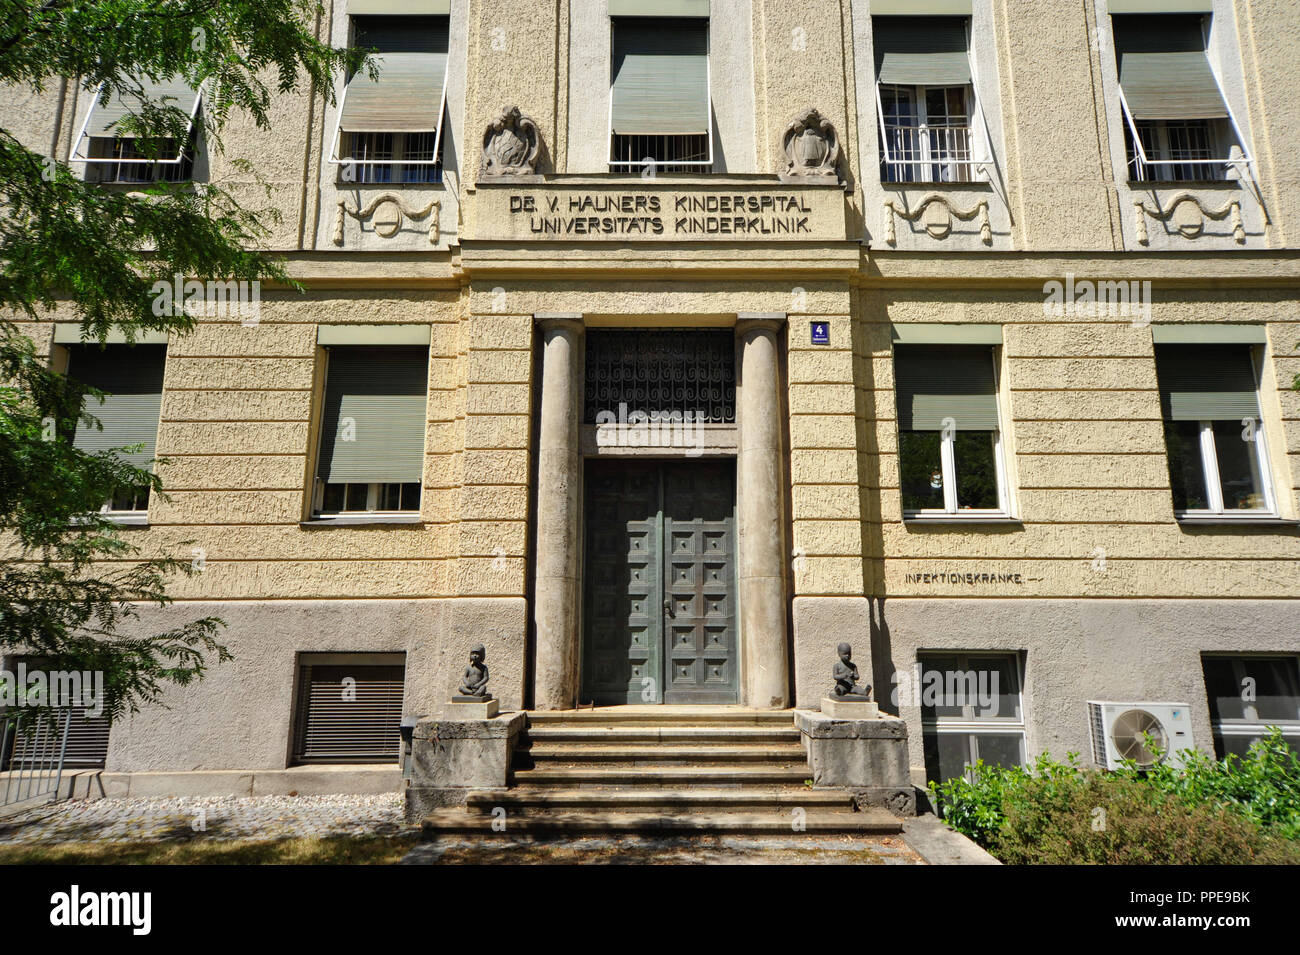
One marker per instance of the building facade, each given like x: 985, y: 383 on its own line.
x: 662, y: 346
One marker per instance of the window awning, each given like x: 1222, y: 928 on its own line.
x: 661, y: 77
x: 921, y: 51
x: 1206, y: 383
x: 1163, y: 69
x: 104, y: 118
x: 407, y: 96
x: 935, y: 382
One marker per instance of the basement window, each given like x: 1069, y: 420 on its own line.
x: 1250, y: 694
x: 349, y: 707
x: 971, y: 712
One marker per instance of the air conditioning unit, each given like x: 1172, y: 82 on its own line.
x: 1119, y: 732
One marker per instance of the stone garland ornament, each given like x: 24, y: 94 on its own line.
x: 510, y: 145
x: 811, y: 146
x: 389, y: 214
x: 1187, y: 213
x: 937, y: 212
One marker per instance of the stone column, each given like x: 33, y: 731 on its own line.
x: 761, y: 493
x: 559, y: 473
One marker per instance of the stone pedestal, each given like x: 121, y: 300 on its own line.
x: 449, y: 757
x: 850, y: 709
x: 865, y: 756
x: 464, y: 708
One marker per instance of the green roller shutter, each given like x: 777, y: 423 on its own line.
x: 1163, y: 70
x: 921, y: 51
x: 132, y: 375
x: 661, y: 77
x: 412, y: 64
x: 373, y: 422
x: 1206, y: 382
x: 936, y: 382
x: 173, y: 92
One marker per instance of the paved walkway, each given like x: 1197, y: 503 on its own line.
x: 266, y: 818
x: 218, y: 817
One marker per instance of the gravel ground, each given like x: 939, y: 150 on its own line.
x: 217, y: 817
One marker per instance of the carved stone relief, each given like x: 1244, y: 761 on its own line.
x: 388, y: 214
x: 1186, y: 214
x: 510, y: 145
x: 936, y: 212
x: 811, y: 147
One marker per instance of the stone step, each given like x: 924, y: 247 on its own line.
x: 651, y: 735
x: 725, y: 752
x: 873, y: 821
x: 651, y: 776
x: 654, y: 715
x: 542, y: 798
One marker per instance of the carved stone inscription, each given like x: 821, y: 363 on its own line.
x: 674, y: 215
x: 790, y: 213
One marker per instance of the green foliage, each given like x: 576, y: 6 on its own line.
x: 71, y: 583
x: 1231, y: 811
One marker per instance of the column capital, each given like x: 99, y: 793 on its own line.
x: 569, y: 321
x: 747, y: 322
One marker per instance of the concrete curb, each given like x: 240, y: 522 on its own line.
x: 938, y: 845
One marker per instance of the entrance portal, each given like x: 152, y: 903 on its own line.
x: 659, y: 603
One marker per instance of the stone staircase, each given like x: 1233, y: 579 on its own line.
x: 661, y: 770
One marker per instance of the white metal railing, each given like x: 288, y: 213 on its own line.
x: 672, y: 153
x: 926, y: 153
x: 33, y: 747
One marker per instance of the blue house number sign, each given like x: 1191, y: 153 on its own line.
x: 821, y: 333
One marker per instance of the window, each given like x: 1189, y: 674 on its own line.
x: 660, y: 116
x: 1247, y: 695
x: 349, y: 707
x: 87, y: 742
x: 926, y: 100
x: 1177, y: 126
x: 971, y: 709
x: 132, y: 378
x: 949, y: 444
x: 372, y: 430
x: 1213, y: 432
x: 112, y: 157
x: 390, y: 129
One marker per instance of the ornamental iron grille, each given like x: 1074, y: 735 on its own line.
x: 661, y: 373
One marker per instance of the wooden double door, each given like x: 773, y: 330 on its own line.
x: 659, y: 582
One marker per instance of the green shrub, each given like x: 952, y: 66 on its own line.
x: 1233, y: 811
x: 1099, y: 819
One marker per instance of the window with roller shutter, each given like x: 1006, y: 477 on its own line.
x: 660, y: 113
x: 349, y: 707
x: 389, y: 127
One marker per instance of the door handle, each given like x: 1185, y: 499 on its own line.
x: 668, y: 606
